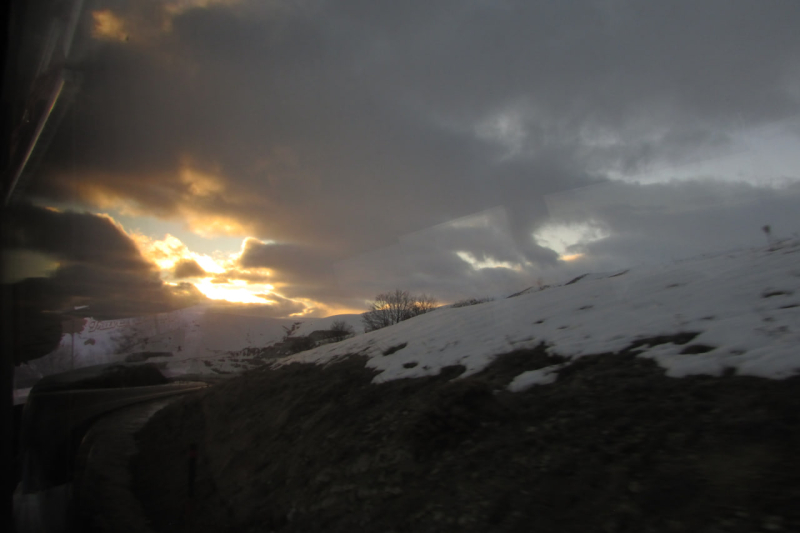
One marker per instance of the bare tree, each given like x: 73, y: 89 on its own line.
x: 340, y: 330
x: 424, y: 303
x: 768, y: 232
x: 392, y: 307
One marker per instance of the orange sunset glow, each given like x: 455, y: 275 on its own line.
x: 166, y: 253
x: 108, y: 26
x: 265, y: 152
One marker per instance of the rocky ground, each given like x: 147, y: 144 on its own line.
x: 613, y: 446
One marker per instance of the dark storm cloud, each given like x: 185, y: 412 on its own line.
x: 282, y: 307
x: 473, y: 256
x: 489, y: 235
x: 418, y: 268
x: 188, y: 268
x: 74, y: 237
x: 660, y: 222
x: 117, y: 294
x: 289, y: 262
x: 98, y: 266
x: 425, y: 261
x: 296, y: 271
x: 349, y: 124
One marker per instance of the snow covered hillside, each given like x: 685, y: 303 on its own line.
x: 605, y: 443
x: 736, y: 312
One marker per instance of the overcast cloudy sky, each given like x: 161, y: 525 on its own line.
x: 307, y: 154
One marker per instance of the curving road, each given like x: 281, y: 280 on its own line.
x: 102, y: 487
x: 55, y: 423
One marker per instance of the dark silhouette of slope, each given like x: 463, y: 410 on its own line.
x: 614, y: 445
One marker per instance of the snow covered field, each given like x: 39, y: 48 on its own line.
x: 743, y: 306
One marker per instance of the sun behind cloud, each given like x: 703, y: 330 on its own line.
x: 108, y: 26
x: 238, y: 292
x: 167, y: 252
x: 170, y: 252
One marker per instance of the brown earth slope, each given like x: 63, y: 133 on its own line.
x: 612, y: 446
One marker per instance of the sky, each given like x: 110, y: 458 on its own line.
x: 301, y: 156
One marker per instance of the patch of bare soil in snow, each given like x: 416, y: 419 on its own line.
x: 612, y: 446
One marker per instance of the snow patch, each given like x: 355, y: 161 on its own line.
x: 542, y: 376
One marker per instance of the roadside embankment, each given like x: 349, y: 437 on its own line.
x: 613, y: 445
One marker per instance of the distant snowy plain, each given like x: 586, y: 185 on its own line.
x: 203, y: 339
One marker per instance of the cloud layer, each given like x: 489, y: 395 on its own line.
x: 97, y: 264
x: 332, y: 131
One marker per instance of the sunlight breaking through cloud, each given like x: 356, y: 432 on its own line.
x: 232, y: 292
x: 565, y: 239
x: 487, y: 262
x: 108, y: 26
